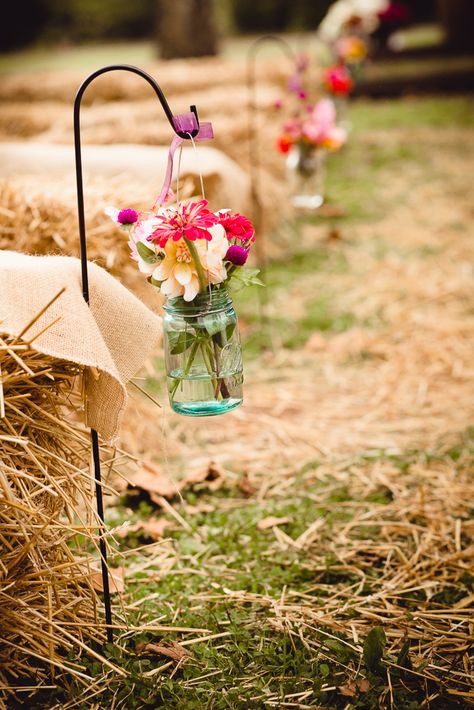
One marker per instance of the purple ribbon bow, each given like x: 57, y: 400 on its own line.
x: 184, y: 123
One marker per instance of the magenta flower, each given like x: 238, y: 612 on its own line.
x: 294, y: 83
x: 127, y: 216
x: 237, y: 226
x: 191, y: 221
x: 237, y: 255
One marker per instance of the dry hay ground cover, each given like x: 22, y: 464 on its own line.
x: 324, y: 558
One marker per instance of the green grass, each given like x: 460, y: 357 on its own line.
x: 412, y: 112
x: 254, y: 660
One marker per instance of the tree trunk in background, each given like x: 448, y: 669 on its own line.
x: 186, y: 28
x: 457, y: 18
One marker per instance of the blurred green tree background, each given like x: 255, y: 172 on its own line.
x: 27, y: 22
x: 73, y: 21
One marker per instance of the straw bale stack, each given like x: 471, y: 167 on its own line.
x: 121, y: 108
x: 49, y: 611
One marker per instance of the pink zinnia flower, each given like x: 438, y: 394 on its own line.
x: 191, y: 221
x: 237, y: 226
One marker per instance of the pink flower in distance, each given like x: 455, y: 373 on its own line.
x: 237, y: 226
x: 338, y: 80
x: 191, y: 221
x: 320, y: 121
x: 292, y: 128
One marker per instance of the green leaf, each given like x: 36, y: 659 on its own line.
x: 154, y: 282
x: 324, y: 670
x: 220, y: 339
x: 403, y: 658
x: 245, y: 276
x: 374, y: 646
x: 148, y: 255
x: 213, y: 322
x: 179, y: 342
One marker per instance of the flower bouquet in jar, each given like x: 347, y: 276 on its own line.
x: 305, y: 139
x: 191, y: 254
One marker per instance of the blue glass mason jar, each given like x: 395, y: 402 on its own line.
x: 203, y: 354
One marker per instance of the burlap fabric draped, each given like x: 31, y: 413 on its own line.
x: 111, y: 339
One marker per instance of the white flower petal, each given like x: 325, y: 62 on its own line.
x: 191, y: 289
x: 165, y: 269
x: 171, y: 288
x: 183, y: 273
x: 144, y: 267
x: 112, y: 212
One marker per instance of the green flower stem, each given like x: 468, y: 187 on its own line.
x: 215, y: 369
x: 207, y: 357
x: 193, y: 251
x: 187, y: 367
x: 222, y: 386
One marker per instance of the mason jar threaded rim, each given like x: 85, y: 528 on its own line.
x: 208, y: 302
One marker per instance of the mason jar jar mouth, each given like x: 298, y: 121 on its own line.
x: 209, y: 302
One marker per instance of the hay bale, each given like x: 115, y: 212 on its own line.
x: 225, y: 182
x: 120, y: 108
x: 48, y: 607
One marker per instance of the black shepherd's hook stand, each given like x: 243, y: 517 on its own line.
x: 253, y: 132
x: 174, y: 122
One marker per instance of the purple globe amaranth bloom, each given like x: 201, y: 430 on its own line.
x: 237, y: 255
x: 127, y: 216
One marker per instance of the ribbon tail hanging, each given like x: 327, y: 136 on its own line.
x: 185, y: 123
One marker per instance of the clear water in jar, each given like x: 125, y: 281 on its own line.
x: 199, y: 394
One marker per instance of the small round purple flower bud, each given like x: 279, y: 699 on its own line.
x: 127, y: 216
x: 237, y: 255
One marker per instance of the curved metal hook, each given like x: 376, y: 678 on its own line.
x: 173, y: 121
x: 256, y: 44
